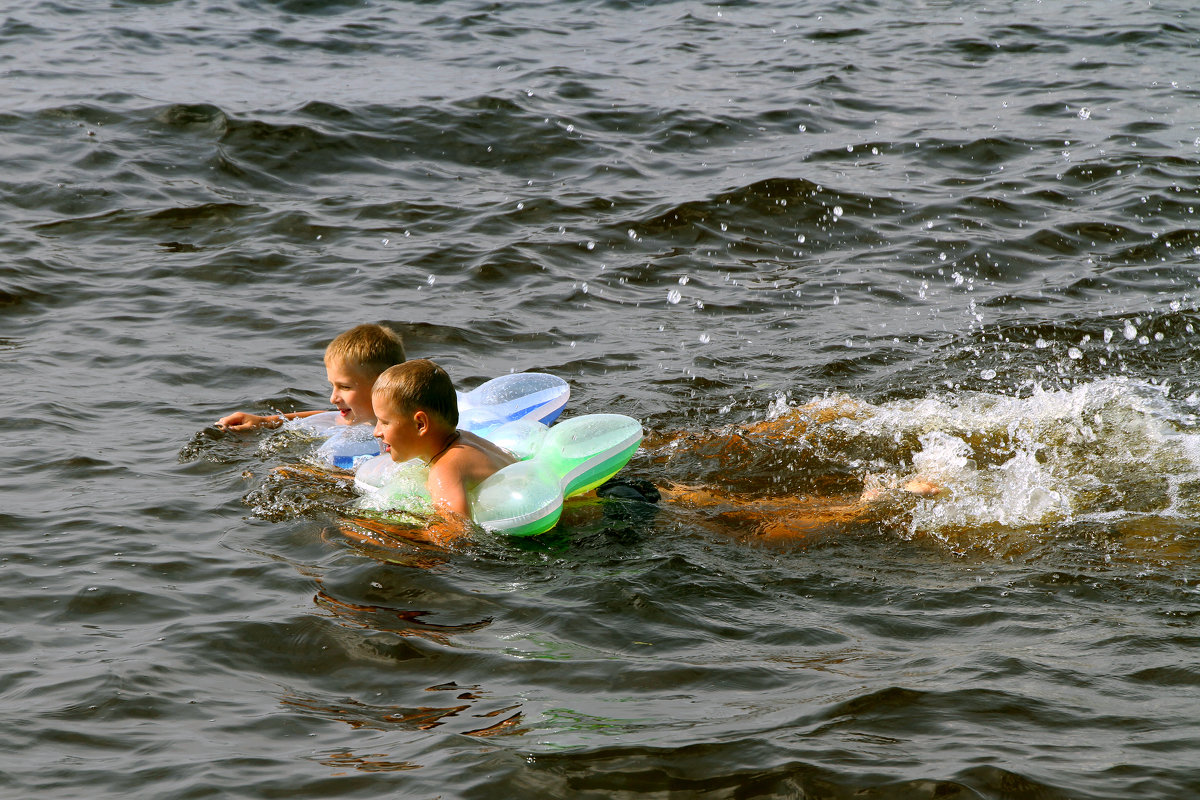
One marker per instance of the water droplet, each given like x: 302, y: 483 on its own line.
x: 837, y: 212
x: 385, y: 241
x: 1108, y: 334
x: 674, y: 296
x: 988, y: 374
x: 431, y: 280
x: 1129, y: 331
x: 520, y: 206
x: 584, y: 287
x: 591, y: 245
x: 705, y: 338
x: 1084, y: 113
x: 800, y: 239
x: 1041, y: 344
x: 683, y: 280
x: 1075, y: 353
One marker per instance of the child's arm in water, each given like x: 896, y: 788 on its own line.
x: 446, y: 527
x: 245, y: 421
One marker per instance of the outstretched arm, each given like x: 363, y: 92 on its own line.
x: 244, y: 421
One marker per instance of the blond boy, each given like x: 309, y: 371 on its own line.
x: 352, y: 363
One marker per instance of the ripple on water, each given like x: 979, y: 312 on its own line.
x: 970, y: 240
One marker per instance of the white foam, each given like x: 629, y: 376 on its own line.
x: 1038, y: 459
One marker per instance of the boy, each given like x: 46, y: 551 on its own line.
x: 416, y: 416
x: 352, y: 363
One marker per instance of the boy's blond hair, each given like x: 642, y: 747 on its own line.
x: 419, y: 385
x: 368, y: 348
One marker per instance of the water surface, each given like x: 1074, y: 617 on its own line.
x: 973, y: 224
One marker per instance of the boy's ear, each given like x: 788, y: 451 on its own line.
x: 421, y: 420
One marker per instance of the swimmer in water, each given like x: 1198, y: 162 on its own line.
x: 416, y: 416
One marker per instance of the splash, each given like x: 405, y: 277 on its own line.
x: 1110, y: 447
x: 1107, y: 451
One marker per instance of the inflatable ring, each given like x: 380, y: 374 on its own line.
x: 508, y: 398
x: 524, y: 498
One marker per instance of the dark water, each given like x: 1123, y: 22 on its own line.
x: 973, y: 223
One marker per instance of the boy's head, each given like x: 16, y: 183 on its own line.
x: 415, y: 406
x: 352, y: 363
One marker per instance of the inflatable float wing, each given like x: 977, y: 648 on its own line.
x: 525, y: 498
x: 524, y: 395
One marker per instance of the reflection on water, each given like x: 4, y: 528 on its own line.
x: 424, y: 718
x: 398, y: 621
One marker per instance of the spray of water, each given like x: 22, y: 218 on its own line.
x: 1113, y: 450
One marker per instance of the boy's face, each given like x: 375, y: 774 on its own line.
x: 351, y: 392
x: 397, y: 433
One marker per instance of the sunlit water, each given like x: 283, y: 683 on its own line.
x: 815, y: 248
